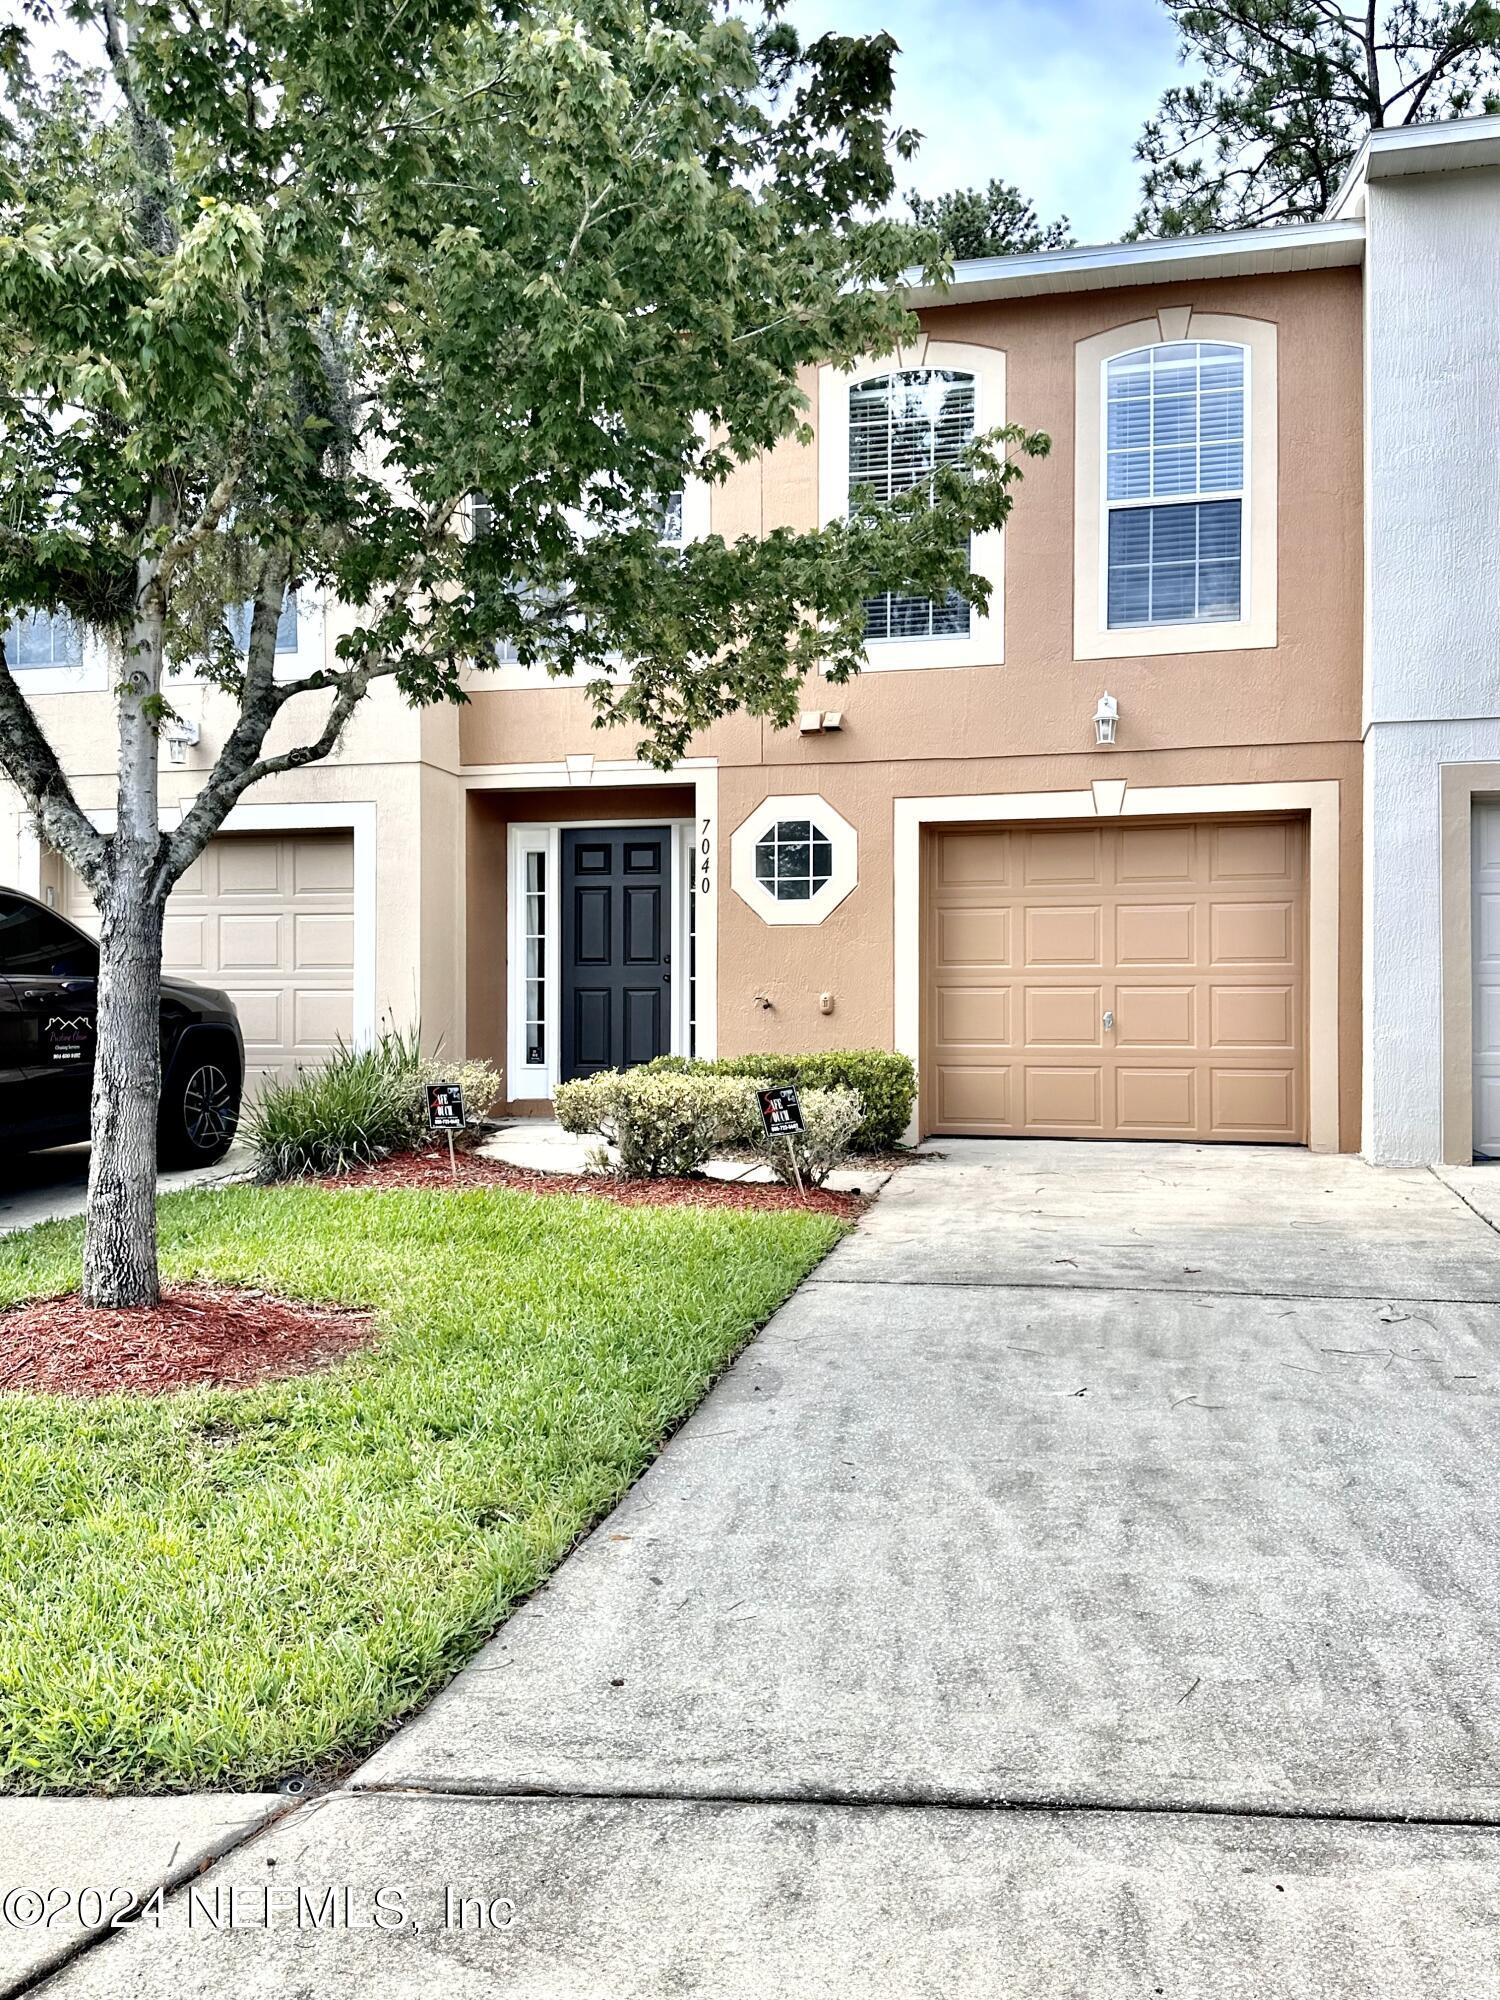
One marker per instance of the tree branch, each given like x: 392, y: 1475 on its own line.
x: 30, y: 762
x: 152, y: 148
x: 214, y: 509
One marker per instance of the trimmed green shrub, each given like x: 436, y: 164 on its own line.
x: 885, y: 1083
x: 830, y: 1117
x: 357, y: 1107
x: 657, y: 1123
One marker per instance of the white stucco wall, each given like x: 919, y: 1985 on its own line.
x: 1432, y: 587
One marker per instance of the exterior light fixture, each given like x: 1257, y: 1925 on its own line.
x: 1106, y: 716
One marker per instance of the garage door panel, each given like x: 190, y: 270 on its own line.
x: 1246, y: 852
x: 1071, y: 1097
x: 323, y: 868
x: 248, y: 866
x: 1063, y: 1017
x: 976, y: 858
x: 1188, y: 935
x: 1252, y: 933
x: 1066, y: 936
x: 1155, y: 854
x: 250, y: 944
x: 1156, y: 1017
x: 1162, y: 1102
x: 321, y: 1018
x: 1072, y: 855
x: 184, y: 943
x: 260, y: 1011
x: 1254, y: 1103
x: 1155, y: 934
x: 974, y: 937
x: 1253, y: 1016
x: 974, y: 1096
x: 323, y: 943
x: 978, y: 1016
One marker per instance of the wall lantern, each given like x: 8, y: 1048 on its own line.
x: 1106, y: 716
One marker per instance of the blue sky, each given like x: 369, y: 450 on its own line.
x: 1050, y: 94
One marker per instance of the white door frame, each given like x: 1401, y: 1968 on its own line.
x: 526, y: 1080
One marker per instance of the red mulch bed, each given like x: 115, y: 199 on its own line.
x: 430, y: 1170
x: 200, y: 1336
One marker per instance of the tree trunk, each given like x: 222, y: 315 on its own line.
x: 119, y: 1249
x: 119, y: 1242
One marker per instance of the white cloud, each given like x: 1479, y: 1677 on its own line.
x: 1050, y: 94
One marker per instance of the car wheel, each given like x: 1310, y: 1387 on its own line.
x: 200, y: 1114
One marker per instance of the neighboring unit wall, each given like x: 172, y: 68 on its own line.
x: 393, y: 781
x: 1432, y: 671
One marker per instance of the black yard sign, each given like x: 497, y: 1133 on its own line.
x: 781, y: 1111
x: 445, y: 1107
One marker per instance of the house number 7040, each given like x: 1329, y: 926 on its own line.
x: 705, y: 857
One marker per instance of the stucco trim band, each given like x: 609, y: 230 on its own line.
x: 1317, y: 798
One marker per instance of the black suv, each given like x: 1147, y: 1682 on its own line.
x: 48, y: 1004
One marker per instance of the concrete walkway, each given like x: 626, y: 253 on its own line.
x: 542, y: 1145
x: 1089, y: 1584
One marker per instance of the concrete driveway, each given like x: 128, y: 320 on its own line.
x: 42, y: 1187
x: 1089, y: 1584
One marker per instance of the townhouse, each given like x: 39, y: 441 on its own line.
x: 1172, y: 843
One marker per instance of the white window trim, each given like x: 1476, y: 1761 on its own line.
x: 1093, y: 637
x: 984, y: 643
x: 841, y: 834
x: 533, y: 1080
x: 89, y: 676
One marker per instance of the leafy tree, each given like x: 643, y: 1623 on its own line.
x: 993, y: 221
x: 287, y: 281
x: 1285, y: 91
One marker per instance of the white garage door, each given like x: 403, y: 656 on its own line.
x: 269, y: 917
x: 1485, y: 944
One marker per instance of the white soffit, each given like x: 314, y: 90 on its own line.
x: 1238, y: 253
x: 1447, y: 148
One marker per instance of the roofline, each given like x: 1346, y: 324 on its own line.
x: 1302, y: 246
x: 1455, y: 144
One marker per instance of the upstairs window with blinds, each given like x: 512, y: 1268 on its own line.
x: 43, y: 639
x: 1175, y: 489
x: 902, y: 428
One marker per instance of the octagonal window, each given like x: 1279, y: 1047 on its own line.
x: 793, y: 860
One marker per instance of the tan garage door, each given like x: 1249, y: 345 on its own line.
x: 269, y: 917
x: 1123, y: 980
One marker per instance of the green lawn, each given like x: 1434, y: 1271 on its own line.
x: 226, y: 1587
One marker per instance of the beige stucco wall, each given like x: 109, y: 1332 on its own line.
x: 1276, y: 714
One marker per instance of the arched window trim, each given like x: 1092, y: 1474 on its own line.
x: 984, y: 643
x: 1093, y: 638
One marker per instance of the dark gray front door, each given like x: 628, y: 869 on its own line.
x: 616, y: 947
